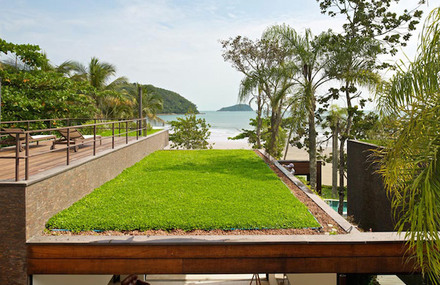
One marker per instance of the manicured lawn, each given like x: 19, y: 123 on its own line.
x: 108, y: 133
x: 203, y: 189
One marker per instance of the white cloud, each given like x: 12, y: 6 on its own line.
x: 171, y: 44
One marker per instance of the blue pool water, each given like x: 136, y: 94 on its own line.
x: 335, y: 204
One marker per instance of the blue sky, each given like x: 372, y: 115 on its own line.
x: 170, y: 44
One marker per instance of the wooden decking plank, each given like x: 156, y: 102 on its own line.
x: 41, y: 161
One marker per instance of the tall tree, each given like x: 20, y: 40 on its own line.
x: 308, y: 58
x: 264, y: 62
x: 371, y: 29
x: 97, y: 74
x: 250, y: 88
x: 411, y: 161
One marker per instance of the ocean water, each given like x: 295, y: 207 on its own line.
x: 223, y: 124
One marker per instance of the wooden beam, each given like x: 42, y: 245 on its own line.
x: 191, y: 258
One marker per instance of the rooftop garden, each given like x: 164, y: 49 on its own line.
x: 189, y: 190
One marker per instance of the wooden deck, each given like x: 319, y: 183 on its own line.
x: 41, y: 158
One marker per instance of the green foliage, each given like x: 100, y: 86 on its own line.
x: 37, y: 94
x: 375, y: 19
x: 265, y: 136
x: 203, y: 189
x: 264, y: 63
x: 172, y: 101
x: 30, y: 56
x: 411, y: 160
x: 108, y: 133
x: 189, y: 132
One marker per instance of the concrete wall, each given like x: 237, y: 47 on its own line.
x: 367, y: 201
x: 26, y: 206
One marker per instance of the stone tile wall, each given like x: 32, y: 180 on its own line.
x: 12, y: 234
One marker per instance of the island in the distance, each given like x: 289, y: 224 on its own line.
x: 238, y: 107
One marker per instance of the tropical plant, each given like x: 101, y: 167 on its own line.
x: 308, y: 57
x: 21, y: 56
x: 263, y: 62
x: 371, y: 29
x: 250, y: 88
x: 38, y: 94
x: 190, y: 132
x: 411, y: 161
x: 334, y: 120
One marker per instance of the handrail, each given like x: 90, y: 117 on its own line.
x: 59, y: 119
x: 140, y: 128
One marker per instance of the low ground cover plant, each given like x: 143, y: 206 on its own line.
x: 189, y: 189
x: 108, y: 133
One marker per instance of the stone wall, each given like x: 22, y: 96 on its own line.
x: 26, y: 206
x: 12, y: 234
x: 367, y: 201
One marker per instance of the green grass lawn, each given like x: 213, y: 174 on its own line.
x: 108, y: 133
x: 196, y: 189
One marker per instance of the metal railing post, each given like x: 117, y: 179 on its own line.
x: 126, y: 132
x: 68, y: 146
x: 94, y: 139
x: 113, y: 135
x: 137, y: 129
x: 17, y: 157
x: 26, y: 159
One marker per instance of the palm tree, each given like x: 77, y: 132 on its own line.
x: 250, y: 88
x: 308, y: 57
x: 411, y: 161
x: 264, y: 64
x: 97, y: 74
x: 151, y: 104
x: 335, y: 120
x: 353, y: 64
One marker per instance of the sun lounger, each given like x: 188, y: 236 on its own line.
x: 16, y: 132
x: 75, y: 138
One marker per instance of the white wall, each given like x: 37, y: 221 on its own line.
x: 71, y: 279
x: 313, y: 279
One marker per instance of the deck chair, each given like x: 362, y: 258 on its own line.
x: 14, y: 132
x: 76, y: 138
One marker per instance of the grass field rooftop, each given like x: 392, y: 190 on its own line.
x: 189, y: 190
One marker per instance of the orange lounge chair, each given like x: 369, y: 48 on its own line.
x: 14, y: 132
x: 76, y: 138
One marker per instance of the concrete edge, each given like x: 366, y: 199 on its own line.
x: 367, y: 237
x: 343, y: 223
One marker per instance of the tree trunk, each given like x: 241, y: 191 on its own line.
x: 341, y: 177
x: 344, y: 137
x: 259, y: 120
x: 312, y: 150
x: 274, y: 126
x: 335, y: 131
x: 288, y: 142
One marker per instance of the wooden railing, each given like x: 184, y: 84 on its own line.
x: 19, y: 137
